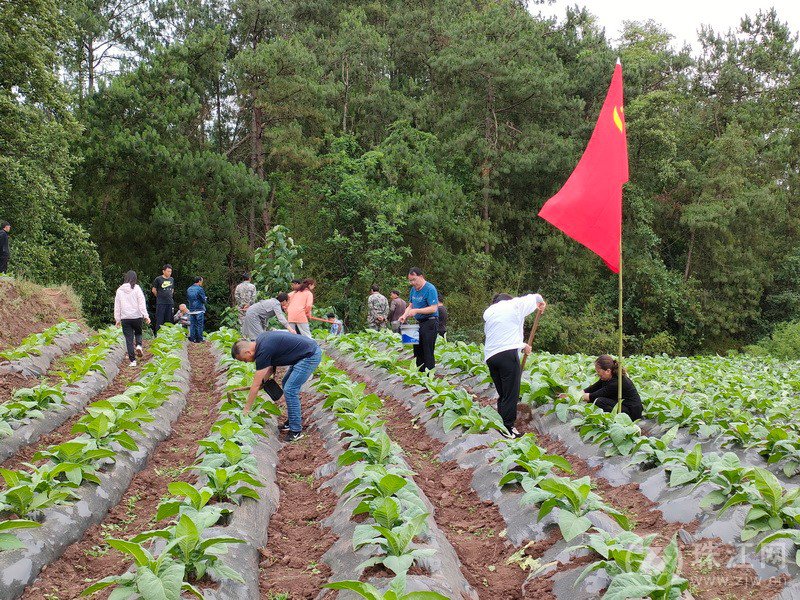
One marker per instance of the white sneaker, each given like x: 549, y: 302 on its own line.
x: 512, y: 435
x: 139, y: 351
x: 133, y: 363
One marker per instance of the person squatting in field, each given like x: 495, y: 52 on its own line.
x: 423, y: 305
x: 603, y: 393
x: 503, y: 328
x: 281, y: 349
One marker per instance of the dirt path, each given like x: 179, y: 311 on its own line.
x: 14, y: 381
x: 64, y: 432
x: 291, y: 565
x: 472, y: 525
x: 90, y: 559
x: 704, y: 561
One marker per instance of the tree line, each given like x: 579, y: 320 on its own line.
x: 387, y: 134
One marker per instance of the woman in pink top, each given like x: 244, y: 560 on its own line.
x: 130, y: 310
x: 300, y: 304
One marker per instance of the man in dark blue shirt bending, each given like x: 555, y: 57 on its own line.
x: 281, y: 349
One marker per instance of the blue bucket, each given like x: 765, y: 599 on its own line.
x: 409, y: 333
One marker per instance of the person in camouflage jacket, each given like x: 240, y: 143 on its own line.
x: 244, y: 296
x: 377, y: 309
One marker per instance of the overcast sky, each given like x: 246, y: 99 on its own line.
x: 682, y: 18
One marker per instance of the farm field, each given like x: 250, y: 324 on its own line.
x: 151, y: 483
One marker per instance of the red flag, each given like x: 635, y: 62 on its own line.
x: 589, y: 206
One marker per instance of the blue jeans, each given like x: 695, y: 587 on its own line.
x: 294, y: 379
x: 196, y: 324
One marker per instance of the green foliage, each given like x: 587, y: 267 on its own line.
x: 198, y: 555
x: 30, y: 403
x: 9, y: 541
x: 783, y: 342
x: 29, y: 493
x: 153, y: 578
x: 655, y: 583
x: 381, y: 138
x: 37, y: 129
x: 277, y: 262
x: 396, y: 591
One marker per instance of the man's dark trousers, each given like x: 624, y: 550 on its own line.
x: 506, y: 373
x: 164, y: 314
x: 423, y: 352
x: 4, y: 263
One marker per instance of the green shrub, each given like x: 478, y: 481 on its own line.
x: 592, y: 331
x: 783, y: 343
x: 660, y: 343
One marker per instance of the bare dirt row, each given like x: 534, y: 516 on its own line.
x: 91, y: 559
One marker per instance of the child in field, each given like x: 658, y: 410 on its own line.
x: 337, y: 327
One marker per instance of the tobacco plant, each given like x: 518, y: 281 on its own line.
x: 574, y: 498
x: 198, y: 555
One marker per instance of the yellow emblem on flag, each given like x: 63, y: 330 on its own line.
x: 618, y: 121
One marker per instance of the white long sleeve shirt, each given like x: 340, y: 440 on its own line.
x: 504, y: 321
x: 129, y: 303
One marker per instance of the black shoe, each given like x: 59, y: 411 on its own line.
x: 294, y: 436
x: 285, y: 427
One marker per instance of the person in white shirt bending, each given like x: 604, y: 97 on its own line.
x: 503, y: 324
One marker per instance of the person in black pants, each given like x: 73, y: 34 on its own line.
x: 503, y: 324
x: 442, y: 330
x: 423, y: 305
x: 130, y: 310
x: 603, y: 394
x: 4, y: 252
x: 164, y: 289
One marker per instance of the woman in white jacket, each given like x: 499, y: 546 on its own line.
x: 130, y: 310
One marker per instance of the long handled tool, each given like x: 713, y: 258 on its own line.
x: 530, y: 337
x: 238, y: 389
x: 274, y: 391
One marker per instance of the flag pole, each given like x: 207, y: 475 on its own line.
x: 620, y: 370
x: 619, y: 311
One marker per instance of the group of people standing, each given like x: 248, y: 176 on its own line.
x: 295, y: 348
x: 130, y: 309
x: 383, y: 313
x: 292, y: 309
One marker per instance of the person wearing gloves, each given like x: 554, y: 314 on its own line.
x: 130, y: 309
x: 503, y: 327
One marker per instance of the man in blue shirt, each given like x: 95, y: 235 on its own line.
x: 423, y: 305
x: 281, y: 349
x: 196, y: 298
